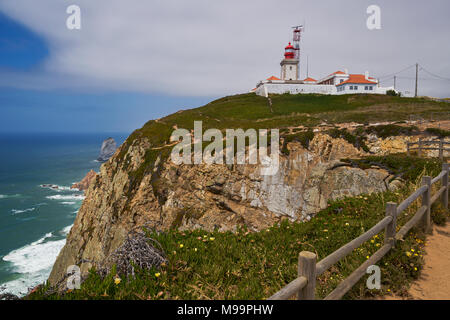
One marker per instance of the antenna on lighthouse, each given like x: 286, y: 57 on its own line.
x: 296, y: 40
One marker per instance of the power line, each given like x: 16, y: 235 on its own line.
x: 434, y: 75
x: 395, y: 73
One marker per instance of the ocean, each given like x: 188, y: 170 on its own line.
x: 35, y: 219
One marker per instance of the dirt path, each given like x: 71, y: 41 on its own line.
x: 434, y: 281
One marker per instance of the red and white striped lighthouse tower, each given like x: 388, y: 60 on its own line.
x: 289, y: 65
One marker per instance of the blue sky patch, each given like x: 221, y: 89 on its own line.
x: 19, y: 47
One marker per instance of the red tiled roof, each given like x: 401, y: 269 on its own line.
x: 310, y: 79
x: 337, y: 72
x: 357, y: 79
x: 273, y: 78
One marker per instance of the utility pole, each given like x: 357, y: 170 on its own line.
x: 307, y: 66
x: 417, y: 77
x: 395, y: 78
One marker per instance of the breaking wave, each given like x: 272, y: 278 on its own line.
x: 33, y: 262
x: 66, y: 197
x: 17, y: 211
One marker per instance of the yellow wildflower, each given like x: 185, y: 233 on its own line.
x: 117, y: 280
x: 181, y: 245
x: 157, y: 274
x: 195, y: 249
x: 212, y: 238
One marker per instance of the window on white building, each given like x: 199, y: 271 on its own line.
x: 351, y: 87
x: 371, y: 88
x: 366, y: 88
x: 356, y: 87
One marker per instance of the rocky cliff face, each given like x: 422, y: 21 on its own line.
x: 87, y: 180
x: 122, y: 196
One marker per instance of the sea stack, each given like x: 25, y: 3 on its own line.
x: 108, y: 148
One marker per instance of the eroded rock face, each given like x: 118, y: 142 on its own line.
x: 208, y: 196
x: 84, y: 184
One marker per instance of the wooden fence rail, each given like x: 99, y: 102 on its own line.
x: 308, y: 270
x: 421, y: 146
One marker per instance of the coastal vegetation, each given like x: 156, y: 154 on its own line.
x: 254, y: 265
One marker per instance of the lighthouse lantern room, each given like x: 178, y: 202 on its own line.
x: 289, y: 65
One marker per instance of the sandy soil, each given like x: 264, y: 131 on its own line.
x: 434, y: 281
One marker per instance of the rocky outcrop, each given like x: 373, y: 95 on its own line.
x: 164, y: 195
x: 87, y: 180
x: 107, y: 151
x: 398, y: 144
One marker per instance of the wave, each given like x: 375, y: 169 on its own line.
x: 57, y: 188
x: 7, y: 196
x: 68, y: 203
x: 16, y: 211
x: 33, y: 262
x: 66, y: 230
x: 77, y: 197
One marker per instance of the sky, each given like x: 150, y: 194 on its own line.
x: 136, y: 60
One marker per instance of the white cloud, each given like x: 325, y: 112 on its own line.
x: 204, y: 47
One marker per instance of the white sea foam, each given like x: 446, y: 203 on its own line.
x: 7, y: 196
x: 68, y: 202
x: 66, y: 230
x: 33, y: 262
x: 17, y: 211
x: 57, y: 188
x: 66, y: 197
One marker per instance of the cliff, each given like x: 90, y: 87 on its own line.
x: 140, y: 186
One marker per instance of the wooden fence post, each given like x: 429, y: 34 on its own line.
x: 441, y: 149
x: 390, y: 230
x: 426, y: 201
x: 307, y: 269
x: 419, y: 153
x: 408, y: 153
x: 446, y: 167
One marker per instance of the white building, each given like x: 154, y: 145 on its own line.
x: 339, y: 82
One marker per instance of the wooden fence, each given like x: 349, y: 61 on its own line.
x: 308, y: 270
x: 425, y: 145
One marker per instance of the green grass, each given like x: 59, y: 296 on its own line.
x: 254, y: 265
x: 389, y: 130
x: 408, y: 168
x: 438, y: 132
x: 304, y: 138
x: 357, y: 141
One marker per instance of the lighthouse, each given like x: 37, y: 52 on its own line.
x: 289, y: 65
